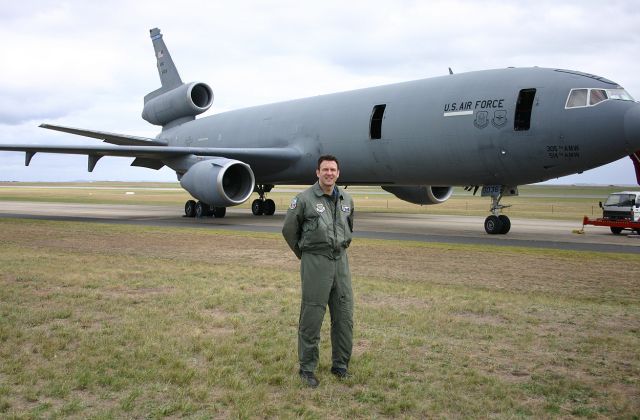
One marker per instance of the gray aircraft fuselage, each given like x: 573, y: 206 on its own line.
x: 451, y: 130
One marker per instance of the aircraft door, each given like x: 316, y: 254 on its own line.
x: 380, y: 142
x: 522, y: 143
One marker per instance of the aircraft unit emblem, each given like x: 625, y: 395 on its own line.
x: 499, y: 118
x: 482, y: 119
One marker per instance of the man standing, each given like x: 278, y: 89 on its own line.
x: 318, y: 229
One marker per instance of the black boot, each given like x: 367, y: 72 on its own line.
x: 309, y: 378
x: 340, y: 373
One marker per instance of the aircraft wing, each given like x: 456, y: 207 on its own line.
x: 149, y: 153
x: 152, y: 156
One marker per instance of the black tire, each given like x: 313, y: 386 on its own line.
x: 219, y: 212
x: 506, y: 224
x: 201, y: 209
x: 269, y: 207
x: 492, y: 225
x: 616, y: 230
x: 257, y: 207
x: 190, y: 208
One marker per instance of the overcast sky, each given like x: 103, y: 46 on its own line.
x: 89, y: 64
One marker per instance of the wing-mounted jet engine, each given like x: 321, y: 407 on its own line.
x: 218, y: 183
x: 423, y: 195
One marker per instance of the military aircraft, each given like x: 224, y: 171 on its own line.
x: 496, y: 128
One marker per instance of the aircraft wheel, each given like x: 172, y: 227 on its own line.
x: 201, y: 209
x: 506, y: 224
x: 219, y: 212
x: 190, y: 208
x: 269, y: 207
x: 492, y: 225
x: 616, y: 230
x: 257, y: 207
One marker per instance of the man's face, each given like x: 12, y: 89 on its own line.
x: 328, y: 173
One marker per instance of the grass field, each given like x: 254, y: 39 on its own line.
x: 535, y: 201
x: 108, y: 321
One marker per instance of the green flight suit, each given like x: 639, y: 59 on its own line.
x: 318, y: 229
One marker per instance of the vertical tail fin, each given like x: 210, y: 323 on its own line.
x: 169, y: 77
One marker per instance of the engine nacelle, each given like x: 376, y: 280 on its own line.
x: 183, y: 102
x: 219, y: 182
x: 424, y: 194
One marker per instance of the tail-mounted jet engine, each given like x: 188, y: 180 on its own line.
x: 219, y: 182
x: 424, y: 194
x: 182, y: 103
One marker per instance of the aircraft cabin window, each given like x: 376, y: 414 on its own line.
x: 524, y: 106
x: 375, y: 126
x: 578, y: 97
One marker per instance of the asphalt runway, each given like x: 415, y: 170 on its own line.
x: 549, y: 234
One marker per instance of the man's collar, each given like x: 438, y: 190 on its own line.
x: 318, y: 190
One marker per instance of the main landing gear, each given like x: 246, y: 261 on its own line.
x: 497, y: 224
x: 200, y: 209
x: 261, y: 206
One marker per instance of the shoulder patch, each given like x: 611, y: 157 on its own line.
x: 294, y: 203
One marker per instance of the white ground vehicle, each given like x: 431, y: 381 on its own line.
x: 620, y: 211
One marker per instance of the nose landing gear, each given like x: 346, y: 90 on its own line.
x: 263, y: 205
x: 496, y: 223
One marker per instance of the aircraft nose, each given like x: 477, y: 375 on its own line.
x: 632, y: 128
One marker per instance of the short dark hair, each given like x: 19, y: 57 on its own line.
x: 329, y: 158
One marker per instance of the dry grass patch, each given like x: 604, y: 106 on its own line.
x: 121, y: 321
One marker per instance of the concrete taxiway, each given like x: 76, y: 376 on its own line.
x: 550, y: 234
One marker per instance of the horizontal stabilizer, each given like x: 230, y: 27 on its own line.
x: 113, y: 138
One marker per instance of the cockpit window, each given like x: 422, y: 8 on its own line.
x: 597, y: 95
x: 580, y: 98
x: 620, y: 94
x: 577, y: 97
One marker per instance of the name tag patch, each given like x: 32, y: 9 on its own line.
x: 346, y: 209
